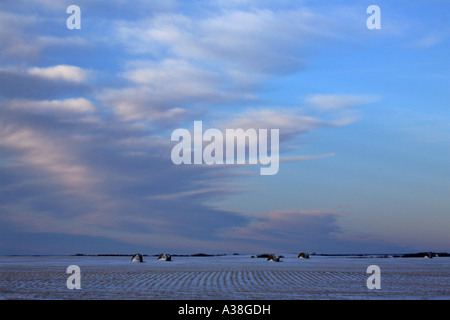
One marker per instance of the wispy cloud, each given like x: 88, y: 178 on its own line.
x: 237, y: 39
x: 190, y: 193
x: 121, y: 171
x: 48, y: 154
x: 76, y: 105
x: 61, y: 72
x: 85, y: 134
x: 43, y: 83
x: 332, y: 102
x: 306, y: 157
x: 290, y: 229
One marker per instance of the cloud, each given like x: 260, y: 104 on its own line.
x: 237, y: 39
x: 288, y: 121
x: 169, y: 91
x: 294, y: 231
x: 13, y: 36
x: 27, y: 32
x: 332, y: 102
x: 200, y: 63
x: 42, y: 83
x: 60, y: 72
x: 190, y: 193
x: 292, y: 122
x: 103, y: 169
x: 306, y: 157
x: 86, y: 179
x: 76, y: 105
x: 431, y: 39
x: 45, y: 153
x: 144, y: 103
x: 288, y: 230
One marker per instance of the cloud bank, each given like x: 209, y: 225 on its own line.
x: 88, y: 156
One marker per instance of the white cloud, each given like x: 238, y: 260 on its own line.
x: 288, y: 121
x: 330, y: 102
x: 61, y: 72
x: 207, y: 61
x: 146, y: 103
x: 194, y: 60
x: 75, y: 105
x: 234, y: 38
x: 170, y: 72
x: 169, y: 90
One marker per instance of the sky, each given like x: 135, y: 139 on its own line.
x: 86, y: 118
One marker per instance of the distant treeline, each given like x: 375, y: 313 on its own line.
x: 152, y: 255
x: 361, y: 255
x: 423, y: 254
x: 404, y: 255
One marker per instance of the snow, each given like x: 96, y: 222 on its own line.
x: 223, y: 277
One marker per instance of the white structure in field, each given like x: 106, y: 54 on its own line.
x: 137, y: 258
x: 273, y: 257
x: 165, y: 256
x: 303, y: 255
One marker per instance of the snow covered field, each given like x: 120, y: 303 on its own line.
x: 223, y: 277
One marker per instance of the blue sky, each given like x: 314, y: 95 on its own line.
x: 86, y: 118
